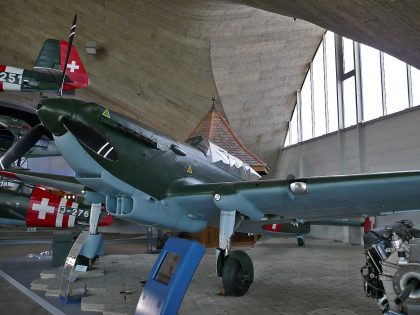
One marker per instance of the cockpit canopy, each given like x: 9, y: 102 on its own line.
x: 223, y: 159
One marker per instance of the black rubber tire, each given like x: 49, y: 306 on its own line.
x: 234, y: 278
x: 300, y: 241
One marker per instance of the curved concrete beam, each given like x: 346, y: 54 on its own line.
x: 162, y: 61
x: 392, y: 26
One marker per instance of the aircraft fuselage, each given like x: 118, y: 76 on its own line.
x: 130, y: 164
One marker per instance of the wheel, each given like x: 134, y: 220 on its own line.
x: 300, y: 241
x: 235, y: 279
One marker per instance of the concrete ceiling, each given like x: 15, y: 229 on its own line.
x: 392, y: 26
x: 161, y: 61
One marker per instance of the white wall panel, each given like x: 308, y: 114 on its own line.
x: 393, y: 144
x: 385, y: 144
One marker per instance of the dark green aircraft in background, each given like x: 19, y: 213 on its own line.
x: 47, y: 73
x: 144, y: 176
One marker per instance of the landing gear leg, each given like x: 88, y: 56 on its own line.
x: 94, y: 245
x: 301, y: 240
x: 234, y: 267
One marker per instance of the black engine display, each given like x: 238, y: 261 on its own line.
x: 380, y: 244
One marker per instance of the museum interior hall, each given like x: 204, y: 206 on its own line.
x: 210, y: 157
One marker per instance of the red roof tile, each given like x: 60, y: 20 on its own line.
x: 214, y: 127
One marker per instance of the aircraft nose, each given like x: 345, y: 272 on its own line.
x: 50, y: 112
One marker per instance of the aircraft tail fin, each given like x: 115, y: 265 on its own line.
x: 44, y: 210
x: 52, y: 58
x: 51, y: 210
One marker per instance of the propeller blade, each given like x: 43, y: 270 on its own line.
x: 22, y: 146
x: 72, y: 31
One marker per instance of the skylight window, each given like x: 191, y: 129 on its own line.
x: 348, y: 83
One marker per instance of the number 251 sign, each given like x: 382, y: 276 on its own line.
x: 9, y: 77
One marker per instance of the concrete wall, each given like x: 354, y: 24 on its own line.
x: 161, y: 62
x: 385, y: 144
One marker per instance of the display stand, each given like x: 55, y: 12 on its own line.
x: 67, y: 276
x: 170, y: 276
x: 88, y: 244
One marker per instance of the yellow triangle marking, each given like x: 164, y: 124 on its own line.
x: 189, y: 169
x: 106, y: 113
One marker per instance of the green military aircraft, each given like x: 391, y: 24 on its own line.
x: 150, y: 178
x: 57, y: 68
x: 144, y: 176
x: 47, y: 71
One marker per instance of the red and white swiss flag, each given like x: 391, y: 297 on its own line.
x: 276, y: 227
x: 75, y: 69
x: 43, y: 210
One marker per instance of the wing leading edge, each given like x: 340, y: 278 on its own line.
x: 65, y: 183
x: 273, y: 201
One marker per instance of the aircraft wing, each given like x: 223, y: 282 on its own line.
x: 275, y: 201
x: 65, y: 183
x: 329, y: 197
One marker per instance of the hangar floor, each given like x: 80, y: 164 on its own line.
x: 321, y: 278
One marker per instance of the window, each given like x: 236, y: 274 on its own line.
x: 415, y: 85
x: 306, y: 108
x: 349, y: 87
x: 294, y: 127
x: 384, y: 88
x: 319, y: 93
x: 348, y: 55
x: 287, y: 139
x: 396, y: 95
x: 349, y: 96
x: 371, y: 82
x: 331, y: 82
x: 292, y: 132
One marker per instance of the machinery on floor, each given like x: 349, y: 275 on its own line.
x: 392, y: 271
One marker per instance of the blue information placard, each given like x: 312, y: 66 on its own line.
x: 170, y: 276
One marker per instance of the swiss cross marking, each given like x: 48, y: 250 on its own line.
x: 73, y: 66
x: 43, y: 208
